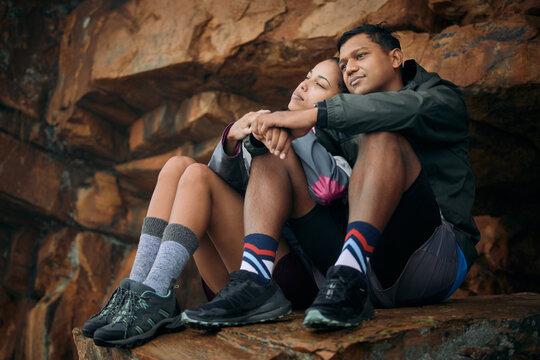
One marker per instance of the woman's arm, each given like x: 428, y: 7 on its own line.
x: 327, y: 175
x: 231, y: 168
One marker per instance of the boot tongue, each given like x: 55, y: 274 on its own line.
x: 139, y: 288
x: 243, y: 275
x: 346, y: 272
x: 126, y: 283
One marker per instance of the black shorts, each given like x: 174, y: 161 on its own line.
x: 321, y: 233
x: 413, y: 222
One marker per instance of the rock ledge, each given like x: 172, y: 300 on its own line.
x: 494, y: 327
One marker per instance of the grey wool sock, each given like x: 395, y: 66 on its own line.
x: 149, y: 242
x: 178, y: 245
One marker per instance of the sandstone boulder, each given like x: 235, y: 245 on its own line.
x: 87, y: 132
x: 95, y: 259
x: 140, y: 176
x: 18, y: 273
x: 94, y: 101
x: 34, y: 179
x: 197, y: 119
x: 478, y: 327
x: 29, y: 42
x: 55, y: 262
x: 99, y: 204
x: 468, y: 12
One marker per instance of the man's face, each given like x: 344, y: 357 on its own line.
x: 367, y: 67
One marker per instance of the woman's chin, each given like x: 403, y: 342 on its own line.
x: 293, y: 106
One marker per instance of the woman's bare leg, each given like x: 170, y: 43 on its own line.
x: 163, y: 196
x: 207, y: 205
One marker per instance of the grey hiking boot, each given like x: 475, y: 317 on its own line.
x: 106, y: 314
x: 144, y: 315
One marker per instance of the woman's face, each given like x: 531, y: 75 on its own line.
x: 322, y: 82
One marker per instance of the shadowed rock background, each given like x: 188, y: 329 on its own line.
x: 96, y: 95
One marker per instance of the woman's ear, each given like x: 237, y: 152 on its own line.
x: 397, y: 58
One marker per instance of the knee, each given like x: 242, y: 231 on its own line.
x: 382, y: 138
x: 264, y: 163
x: 388, y: 148
x: 175, y: 167
x: 196, y: 173
x: 271, y: 163
x: 382, y: 144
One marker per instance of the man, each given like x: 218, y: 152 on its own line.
x: 411, y: 235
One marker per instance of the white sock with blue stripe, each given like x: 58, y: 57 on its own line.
x: 359, y: 244
x: 259, y: 256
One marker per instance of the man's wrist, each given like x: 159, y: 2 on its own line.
x: 322, y: 114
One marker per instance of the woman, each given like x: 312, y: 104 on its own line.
x: 206, y: 215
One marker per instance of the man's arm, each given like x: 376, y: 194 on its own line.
x: 298, y: 121
x: 434, y: 114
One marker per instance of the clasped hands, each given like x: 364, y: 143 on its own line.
x: 275, y: 130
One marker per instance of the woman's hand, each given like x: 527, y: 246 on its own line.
x: 240, y: 129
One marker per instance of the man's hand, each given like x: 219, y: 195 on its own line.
x: 278, y: 141
x: 298, y: 122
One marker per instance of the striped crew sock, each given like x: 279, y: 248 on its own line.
x: 259, y: 256
x: 151, y: 234
x: 359, y: 244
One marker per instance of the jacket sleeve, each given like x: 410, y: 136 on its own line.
x: 434, y: 112
x: 327, y: 176
x: 232, y: 169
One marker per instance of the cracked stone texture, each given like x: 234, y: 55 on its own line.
x: 492, y: 327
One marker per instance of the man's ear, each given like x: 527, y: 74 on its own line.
x: 397, y: 58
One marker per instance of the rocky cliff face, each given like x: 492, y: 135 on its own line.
x: 95, y: 96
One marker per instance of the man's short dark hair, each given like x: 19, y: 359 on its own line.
x: 377, y: 33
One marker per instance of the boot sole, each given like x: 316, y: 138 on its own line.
x: 169, y: 325
x: 245, y: 319
x: 314, y: 319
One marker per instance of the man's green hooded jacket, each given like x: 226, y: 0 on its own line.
x: 431, y: 114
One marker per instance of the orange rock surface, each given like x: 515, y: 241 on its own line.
x: 96, y: 95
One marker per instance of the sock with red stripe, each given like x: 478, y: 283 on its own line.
x: 259, y: 256
x: 359, y: 244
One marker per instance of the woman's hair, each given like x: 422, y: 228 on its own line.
x: 341, y: 83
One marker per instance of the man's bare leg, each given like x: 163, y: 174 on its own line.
x: 386, y: 166
x: 277, y: 190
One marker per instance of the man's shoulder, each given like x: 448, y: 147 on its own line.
x: 416, y: 77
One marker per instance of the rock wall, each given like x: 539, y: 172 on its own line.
x: 96, y: 95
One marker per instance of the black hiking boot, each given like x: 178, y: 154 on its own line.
x: 343, y: 301
x: 242, y: 301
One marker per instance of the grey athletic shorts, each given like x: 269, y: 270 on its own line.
x: 432, y: 273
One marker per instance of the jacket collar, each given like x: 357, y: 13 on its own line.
x: 413, y: 74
